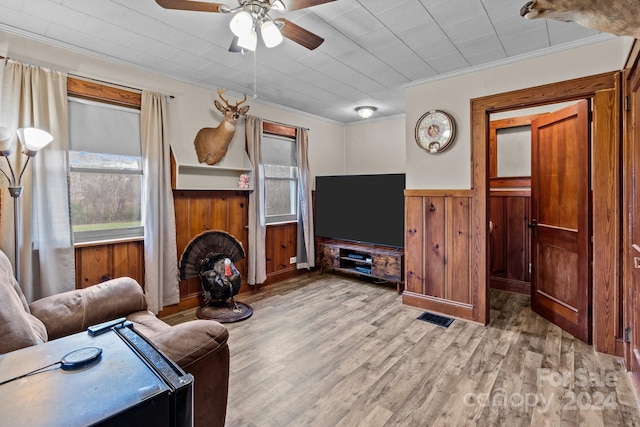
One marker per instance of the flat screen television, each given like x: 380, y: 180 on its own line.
x: 361, y: 208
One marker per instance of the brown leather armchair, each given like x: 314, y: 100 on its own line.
x: 199, y: 347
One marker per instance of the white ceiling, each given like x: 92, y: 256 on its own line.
x: 373, y: 49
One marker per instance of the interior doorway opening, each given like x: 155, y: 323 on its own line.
x: 558, y: 164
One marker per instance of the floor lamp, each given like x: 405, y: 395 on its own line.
x: 32, y: 141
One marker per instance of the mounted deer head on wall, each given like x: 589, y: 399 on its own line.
x: 212, y: 143
x: 619, y: 17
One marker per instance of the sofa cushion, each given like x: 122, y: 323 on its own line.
x: 188, y: 342
x: 18, y: 327
x: 74, y: 311
x: 146, y: 323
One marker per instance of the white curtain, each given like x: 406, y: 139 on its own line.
x: 256, y: 258
x: 305, y: 252
x: 160, y: 251
x: 37, y: 97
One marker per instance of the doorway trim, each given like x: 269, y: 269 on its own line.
x: 605, y: 92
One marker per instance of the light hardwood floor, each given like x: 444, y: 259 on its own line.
x: 329, y: 350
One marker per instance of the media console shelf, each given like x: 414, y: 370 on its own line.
x: 379, y: 262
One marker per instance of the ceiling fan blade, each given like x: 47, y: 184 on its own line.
x: 198, y: 6
x: 299, y: 35
x: 302, y: 4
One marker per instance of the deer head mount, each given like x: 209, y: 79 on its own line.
x: 619, y: 17
x: 212, y: 143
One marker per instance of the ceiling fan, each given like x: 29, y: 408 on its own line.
x: 253, y: 14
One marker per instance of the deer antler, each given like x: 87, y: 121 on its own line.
x: 220, y: 92
x: 243, y: 100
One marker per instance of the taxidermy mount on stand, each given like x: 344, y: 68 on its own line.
x: 211, y: 256
x: 619, y: 17
x: 212, y: 143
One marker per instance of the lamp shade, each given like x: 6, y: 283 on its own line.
x: 5, y: 141
x: 33, y: 140
x: 248, y: 41
x: 270, y: 34
x: 365, y: 111
x: 241, y: 24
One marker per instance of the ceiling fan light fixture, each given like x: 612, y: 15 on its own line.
x: 270, y: 34
x: 241, y: 24
x: 365, y: 111
x: 248, y: 41
x: 278, y: 5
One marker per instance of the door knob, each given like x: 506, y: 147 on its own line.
x: 533, y: 225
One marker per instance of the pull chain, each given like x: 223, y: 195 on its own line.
x: 255, y: 76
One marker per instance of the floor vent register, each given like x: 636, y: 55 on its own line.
x: 436, y: 319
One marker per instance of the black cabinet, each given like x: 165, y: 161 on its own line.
x: 130, y: 384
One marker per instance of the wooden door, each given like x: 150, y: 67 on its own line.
x: 560, y: 221
x: 634, y: 261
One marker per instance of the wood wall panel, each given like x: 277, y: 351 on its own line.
x: 281, y: 246
x: 510, y: 251
x: 414, y: 239
x: 438, y: 252
x: 497, y: 252
x: 517, y: 209
x: 97, y: 263
x: 459, y: 237
x: 198, y: 211
x: 435, y: 249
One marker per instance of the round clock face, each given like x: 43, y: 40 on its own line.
x: 435, y: 130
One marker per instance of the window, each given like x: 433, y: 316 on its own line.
x: 106, y: 175
x: 280, y: 178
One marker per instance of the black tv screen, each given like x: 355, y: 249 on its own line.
x: 361, y: 208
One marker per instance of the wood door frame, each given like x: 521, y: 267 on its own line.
x: 630, y: 79
x: 605, y: 92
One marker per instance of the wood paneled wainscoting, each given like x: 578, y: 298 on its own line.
x: 98, y: 262
x: 280, y: 247
x: 196, y: 211
x: 510, y: 252
x: 438, y: 252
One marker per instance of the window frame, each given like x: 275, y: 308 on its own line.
x: 103, y: 93
x: 282, y: 131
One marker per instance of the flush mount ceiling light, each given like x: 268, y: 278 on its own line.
x: 365, y: 111
x: 252, y: 16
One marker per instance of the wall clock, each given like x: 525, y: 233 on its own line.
x: 435, y: 131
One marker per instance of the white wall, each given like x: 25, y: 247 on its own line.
x: 192, y: 108
x: 451, y: 169
x: 375, y: 146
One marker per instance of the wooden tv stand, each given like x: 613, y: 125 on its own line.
x: 379, y: 262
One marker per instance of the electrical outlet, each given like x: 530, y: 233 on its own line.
x: 292, y: 260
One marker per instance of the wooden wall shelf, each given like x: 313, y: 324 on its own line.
x: 205, y: 177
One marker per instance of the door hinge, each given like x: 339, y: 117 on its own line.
x: 627, y: 103
x: 627, y: 334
